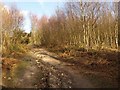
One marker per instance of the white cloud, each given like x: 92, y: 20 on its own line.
x: 27, y: 23
x: 24, y: 12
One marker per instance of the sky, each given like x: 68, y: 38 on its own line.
x: 36, y: 7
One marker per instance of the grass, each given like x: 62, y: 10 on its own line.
x: 20, y: 69
x: 14, y: 68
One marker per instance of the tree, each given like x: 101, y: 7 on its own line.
x: 12, y: 20
x: 89, y: 25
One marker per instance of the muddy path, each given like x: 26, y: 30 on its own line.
x: 75, y: 79
x: 42, y: 69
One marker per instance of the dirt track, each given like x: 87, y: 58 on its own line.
x: 68, y: 77
x: 43, y: 70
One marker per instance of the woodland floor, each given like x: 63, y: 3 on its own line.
x: 45, y: 68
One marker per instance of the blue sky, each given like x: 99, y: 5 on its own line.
x: 36, y: 7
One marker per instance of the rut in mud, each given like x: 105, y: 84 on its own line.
x: 43, y: 70
x: 67, y: 77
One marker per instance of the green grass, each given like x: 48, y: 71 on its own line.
x: 20, y: 69
x: 15, y: 74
